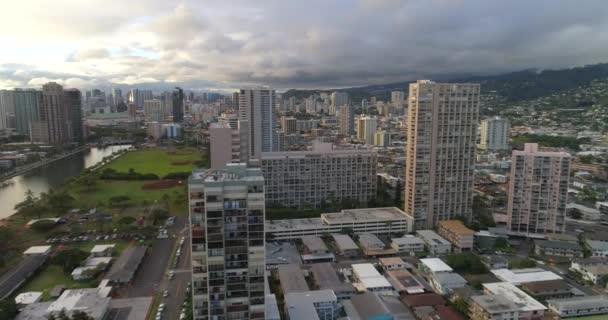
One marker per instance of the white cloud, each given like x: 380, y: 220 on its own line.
x: 219, y: 44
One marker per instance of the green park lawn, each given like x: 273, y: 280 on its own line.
x: 159, y: 162
x: 45, y: 280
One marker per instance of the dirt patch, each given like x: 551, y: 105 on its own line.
x: 181, y: 163
x: 162, y: 184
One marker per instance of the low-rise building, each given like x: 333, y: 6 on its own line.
x: 457, y: 234
x: 403, y: 281
x: 591, y: 269
x: 529, y: 308
x: 558, y: 248
x: 445, y: 282
x: 598, y: 248
x: 37, y: 250
x: 89, y: 301
x: 579, y: 306
x: 103, y: 250
x: 392, y: 263
x: 368, y: 279
x: 519, y: 276
x: 345, y: 245
x: 550, y: 289
x: 376, y: 306
x: 493, y: 261
x: 408, y: 244
x: 292, y: 279
x: 486, y: 240
x: 434, y: 265
x: 26, y: 298
x: 385, y: 220
x: 326, y: 278
x: 435, y: 244
x: 492, y: 307
x: 373, y: 246
x: 315, y: 250
x: 312, y: 305
x: 84, y: 272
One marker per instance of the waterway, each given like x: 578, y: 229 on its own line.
x: 50, y: 176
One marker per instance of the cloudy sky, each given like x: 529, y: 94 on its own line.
x: 221, y: 45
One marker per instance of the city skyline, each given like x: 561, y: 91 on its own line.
x: 216, y: 46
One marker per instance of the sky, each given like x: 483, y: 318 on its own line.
x: 223, y: 45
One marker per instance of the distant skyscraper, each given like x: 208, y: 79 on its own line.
x: 288, y: 124
x: 538, y: 190
x: 397, y: 98
x: 495, y: 134
x: 139, y: 96
x: 310, y: 104
x: 227, y: 236
x: 257, y: 107
x: 440, y: 151
x: 347, y: 120
x: 337, y: 99
x: 366, y: 129
x: 153, y: 111
x: 54, y: 125
x: 235, y: 101
x: 116, y: 96
x: 73, y: 101
x: 178, y: 105
x: 364, y: 105
x: 7, y: 102
x: 232, y: 119
x: 382, y: 138
x: 27, y: 107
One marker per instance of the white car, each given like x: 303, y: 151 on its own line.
x: 165, y: 293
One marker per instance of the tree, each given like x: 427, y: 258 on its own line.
x: 159, y: 214
x: 69, y: 259
x: 398, y: 192
x: 461, y: 306
x: 43, y: 225
x: 501, y: 243
x: 467, y: 263
x: 8, y: 309
x: 126, y: 220
x: 522, y: 263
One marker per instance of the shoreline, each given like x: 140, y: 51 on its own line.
x: 41, y: 163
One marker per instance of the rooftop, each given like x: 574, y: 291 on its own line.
x: 424, y: 299
x: 407, y: 240
x: 232, y: 172
x: 37, y: 250
x: 314, y: 243
x: 292, y: 279
x: 344, y: 242
x: 391, y: 261
x: 369, y: 276
x: 432, y: 237
x: 519, y: 276
x: 369, y: 240
x: 566, y: 245
x: 100, y: 248
x: 495, y: 303
x: 545, y: 286
x: 365, y: 215
x: 523, y: 301
x: 372, y: 305
x: 449, y: 277
x: 586, y: 302
x: 457, y: 227
x: 301, y: 305
x: 125, y: 266
x: 28, y: 297
x: 436, y: 265
x: 326, y: 278
x: 402, y: 280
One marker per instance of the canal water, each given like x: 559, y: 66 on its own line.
x: 52, y: 175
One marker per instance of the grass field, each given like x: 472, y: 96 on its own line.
x: 159, y: 162
x: 106, y: 189
x: 52, y: 275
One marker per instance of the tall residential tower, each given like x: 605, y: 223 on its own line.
x: 440, y: 151
x: 257, y: 108
x: 538, y: 190
x: 495, y: 134
x: 227, y: 228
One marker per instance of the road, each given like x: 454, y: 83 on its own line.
x: 151, y: 280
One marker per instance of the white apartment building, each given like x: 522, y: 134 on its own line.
x: 369, y: 220
x: 366, y: 129
x: 434, y: 242
x: 257, y: 107
x: 495, y: 134
x: 407, y: 244
x: 289, y: 125
x: 397, y: 98
x: 227, y: 236
x: 538, y: 190
x: 440, y: 153
x: 299, y: 178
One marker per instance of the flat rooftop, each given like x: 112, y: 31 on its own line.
x: 523, y: 301
x: 344, y: 242
x: 436, y: 265
x: 432, y: 237
x: 365, y: 215
x: 125, y: 266
x: 407, y: 240
x: 314, y: 243
x: 326, y: 277
x: 457, y: 227
x: 586, y: 302
x: 519, y: 276
x: 292, y: 279
x: 301, y: 305
x: 369, y: 276
x: 281, y: 253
